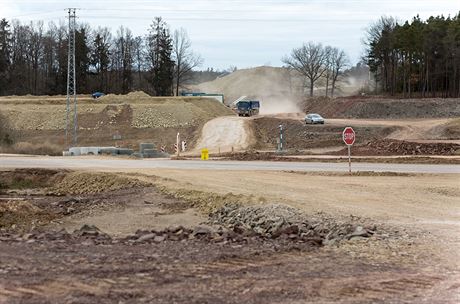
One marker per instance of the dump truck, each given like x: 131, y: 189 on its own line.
x: 247, y: 107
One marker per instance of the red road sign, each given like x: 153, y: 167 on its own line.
x: 348, y: 136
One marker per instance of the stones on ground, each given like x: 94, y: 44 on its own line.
x: 280, y: 221
x: 159, y: 238
x: 146, y: 237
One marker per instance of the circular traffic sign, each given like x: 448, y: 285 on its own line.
x: 348, y: 136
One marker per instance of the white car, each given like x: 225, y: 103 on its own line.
x: 314, y: 119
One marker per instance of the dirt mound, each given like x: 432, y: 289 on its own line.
x: 399, y: 147
x: 135, y: 117
x: 142, y: 112
x: 138, y: 94
x: 379, y: 107
x: 82, y: 182
x: 274, y: 87
x: 21, y: 215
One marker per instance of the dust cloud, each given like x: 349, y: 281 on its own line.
x: 279, y: 105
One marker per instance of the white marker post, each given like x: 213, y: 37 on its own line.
x: 349, y: 136
x: 177, y: 144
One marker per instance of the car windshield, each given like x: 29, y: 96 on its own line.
x: 315, y: 116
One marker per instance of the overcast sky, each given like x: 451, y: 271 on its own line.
x: 243, y: 33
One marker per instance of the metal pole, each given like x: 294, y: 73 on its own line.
x: 349, y: 159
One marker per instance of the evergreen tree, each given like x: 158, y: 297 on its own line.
x: 82, y: 58
x: 159, y: 50
x: 100, y: 57
x: 417, y: 57
x: 5, y: 54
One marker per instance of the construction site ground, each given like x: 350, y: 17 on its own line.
x: 38, y: 124
x: 252, y: 225
x: 138, y: 254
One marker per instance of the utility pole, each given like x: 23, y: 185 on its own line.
x: 71, y: 79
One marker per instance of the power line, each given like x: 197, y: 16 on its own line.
x: 35, y: 13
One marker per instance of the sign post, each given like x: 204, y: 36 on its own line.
x: 349, y: 136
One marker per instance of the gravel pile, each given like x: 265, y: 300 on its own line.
x: 136, y: 109
x: 276, y: 221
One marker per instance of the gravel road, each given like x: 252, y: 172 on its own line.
x: 116, y: 164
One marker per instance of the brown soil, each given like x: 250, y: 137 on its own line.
x: 399, y: 147
x: 136, y: 117
x: 119, y: 264
x: 382, y: 107
x: 299, y: 136
x: 209, y: 273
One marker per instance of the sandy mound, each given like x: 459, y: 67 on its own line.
x: 276, y: 88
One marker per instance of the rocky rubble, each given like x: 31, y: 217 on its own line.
x: 274, y: 221
x: 91, y: 235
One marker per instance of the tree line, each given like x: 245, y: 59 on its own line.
x: 33, y: 59
x: 416, y: 58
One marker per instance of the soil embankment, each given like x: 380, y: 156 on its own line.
x: 135, y: 117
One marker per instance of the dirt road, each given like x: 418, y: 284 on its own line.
x: 225, y: 133
x: 418, y: 130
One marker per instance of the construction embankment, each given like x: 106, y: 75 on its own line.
x: 123, y: 120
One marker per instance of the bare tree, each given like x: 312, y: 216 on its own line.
x: 185, y: 59
x: 139, y: 54
x: 338, y: 61
x: 310, y: 61
x: 329, y: 65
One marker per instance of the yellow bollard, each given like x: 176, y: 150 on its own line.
x: 204, y: 154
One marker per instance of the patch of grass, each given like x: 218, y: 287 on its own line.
x: 24, y: 184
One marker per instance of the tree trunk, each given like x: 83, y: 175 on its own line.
x: 410, y: 75
x: 311, y: 87
x: 333, y: 88
x: 177, y: 79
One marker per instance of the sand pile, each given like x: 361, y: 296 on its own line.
x: 278, y: 89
